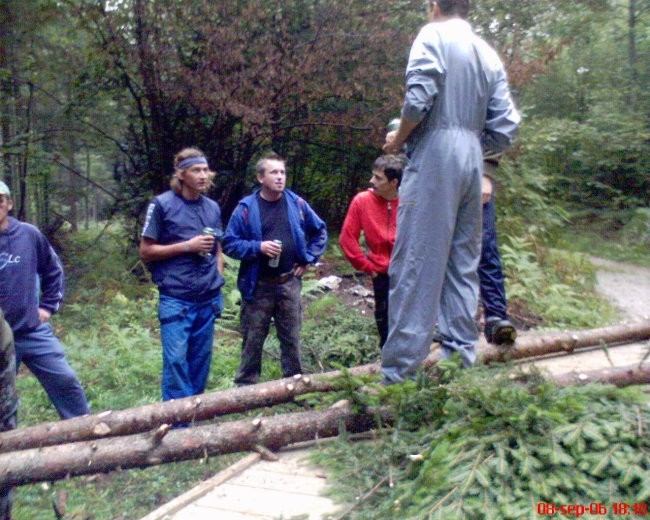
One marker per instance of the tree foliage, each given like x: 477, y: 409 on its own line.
x: 235, y: 78
x: 98, y: 96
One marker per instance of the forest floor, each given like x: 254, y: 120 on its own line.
x: 627, y: 287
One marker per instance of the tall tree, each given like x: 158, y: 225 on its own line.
x: 235, y: 77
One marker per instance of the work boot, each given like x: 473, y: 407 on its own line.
x: 437, y: 335
x: 500, y: 331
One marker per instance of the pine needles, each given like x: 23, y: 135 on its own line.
x: 484, y: 444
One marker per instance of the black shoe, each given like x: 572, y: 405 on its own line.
x: 500, y: 332
x: 437, y: 335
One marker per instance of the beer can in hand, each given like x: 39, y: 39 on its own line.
x: 393, y: 124
x: 211, y: 232
x: 275, y: 261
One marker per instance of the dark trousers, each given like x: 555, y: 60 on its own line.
x: 381, y: 285
x: 490, y: 272
x: 281, y: 302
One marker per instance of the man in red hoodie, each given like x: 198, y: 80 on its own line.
x: 374, y: 212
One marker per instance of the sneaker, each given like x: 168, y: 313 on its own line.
x: 500, y: 331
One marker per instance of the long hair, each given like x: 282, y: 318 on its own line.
x: 175, y: 182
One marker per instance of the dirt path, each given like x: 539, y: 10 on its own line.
x: 628, y: 288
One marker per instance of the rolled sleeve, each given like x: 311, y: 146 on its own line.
x: 424, y: 73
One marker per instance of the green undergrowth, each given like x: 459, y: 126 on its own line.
x: 110, y: 330
x: 493, y: 444
x: 623, y: 236
x: 555, y: 286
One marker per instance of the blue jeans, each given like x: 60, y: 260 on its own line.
x: 490, y: 272
x: 187, y: 334
x: 43, y: 354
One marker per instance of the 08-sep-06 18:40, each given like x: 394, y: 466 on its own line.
x: 639, y: 509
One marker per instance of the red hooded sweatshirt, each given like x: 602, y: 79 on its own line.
x: 377, y: 218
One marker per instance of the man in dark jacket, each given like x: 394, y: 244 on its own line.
x: 31, y: 290
x: 276, y: 235
x: 8, y: 399
x: 180, y: 247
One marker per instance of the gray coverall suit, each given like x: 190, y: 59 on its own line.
x: 456, y: 88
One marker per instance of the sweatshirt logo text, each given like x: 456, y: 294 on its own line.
x: 7, y: 259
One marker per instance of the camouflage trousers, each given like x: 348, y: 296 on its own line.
x: 280, y: 301
x: 6, y: 493
x: 8, y: 401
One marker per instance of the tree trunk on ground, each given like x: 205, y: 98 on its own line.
x: 260, y: 434
x: 163, y: 446
x: 619, y: 376
x: 214, y: 404
x: 559, y: 342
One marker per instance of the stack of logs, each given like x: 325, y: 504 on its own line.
x: 143, y: 436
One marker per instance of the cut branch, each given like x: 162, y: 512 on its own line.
x: 211, y: 405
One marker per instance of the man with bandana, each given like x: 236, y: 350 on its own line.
x: 187, y: 266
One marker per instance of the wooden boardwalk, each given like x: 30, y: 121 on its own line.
x: 289, y: 488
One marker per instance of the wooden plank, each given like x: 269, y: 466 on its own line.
x: 622, y: 355
x: 204, y: 487
x: 280, y: 481
x: 267, y: 502
x: 195, y: 512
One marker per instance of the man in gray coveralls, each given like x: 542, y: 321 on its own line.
x: 457, y: 106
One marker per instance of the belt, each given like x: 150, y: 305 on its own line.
x: 281, y: 278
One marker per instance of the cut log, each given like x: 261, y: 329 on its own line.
x: 187, y: 410
x: 142, y: 450
x: 149, y: 449
x: 215, y: 404
x: 619, y: 376
x: 534, y: 345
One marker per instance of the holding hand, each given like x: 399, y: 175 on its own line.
x: 270, y: 248
x: 200, y: 244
